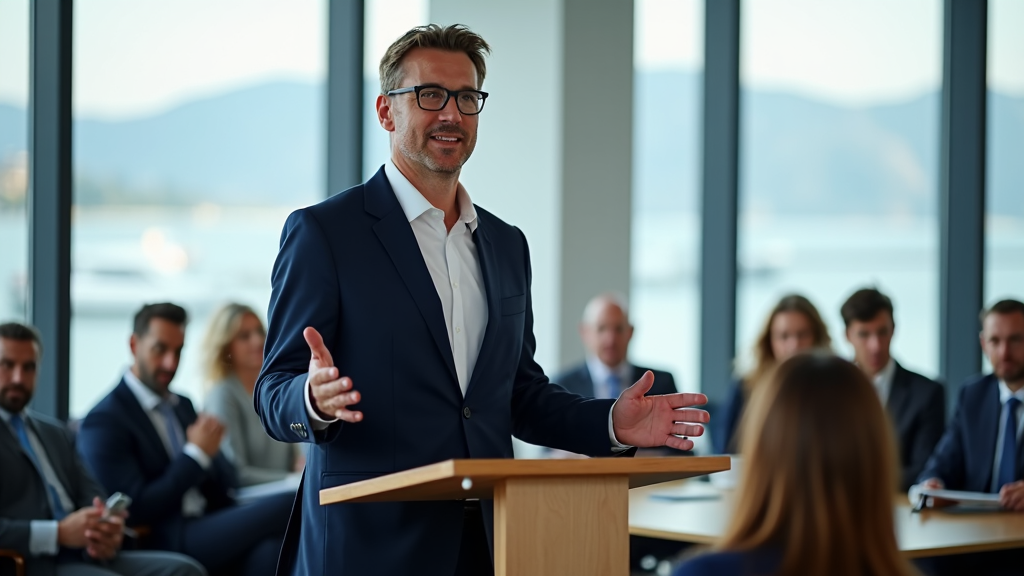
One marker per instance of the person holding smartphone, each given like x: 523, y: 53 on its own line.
x: 51, y: 508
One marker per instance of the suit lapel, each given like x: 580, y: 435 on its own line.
x: 396, y: 235
x: 492, y: 283
x: 989, y: 417
x: 134, y: 411
x: 52, y: 452
x: 899, y: 394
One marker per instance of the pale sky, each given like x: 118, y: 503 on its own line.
x: 136, y: 57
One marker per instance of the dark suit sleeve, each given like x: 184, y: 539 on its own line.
x: 108, y: 448
x: 947, y: 461
x: 15, y: 535
x: 726, y: 422
x: 86, y: 486
x: 305, y: 292
x: 929, y: 432
x: 547, y: 414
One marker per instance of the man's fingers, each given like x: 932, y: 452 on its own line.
x: 330, y: 388
x: 641, y: 387
x: 349, y: 415
x: 687, y: 429
x: 685, y: 400
x: 691, y: 415
x: 679, y: 443
x: 322, y: 376
x: 317, y: 347
x: 335, y: 403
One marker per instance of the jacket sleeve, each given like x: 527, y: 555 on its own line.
x: 107, y: 446
x: 948, y: 460
x: 305, y: 292
x: 547, y: 414
x: 15, y: 534
x: 726, y: 422
x: 929, y: 432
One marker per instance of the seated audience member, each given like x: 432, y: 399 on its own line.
x: 917, y: 405
x: 51, y: 508
x: 980, y: 450
x: 606, y: 332
x: 233, y: 351
x: 793, y: 326
x: 819, y: 475
x: 149, y: 443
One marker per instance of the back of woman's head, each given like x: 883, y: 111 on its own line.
x: 819, y: 472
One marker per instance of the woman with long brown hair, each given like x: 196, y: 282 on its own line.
x: 793, y: 326
x: 818, y: 481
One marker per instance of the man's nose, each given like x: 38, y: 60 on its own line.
x: 450, y: 112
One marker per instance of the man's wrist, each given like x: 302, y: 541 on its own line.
x: 315, y: 419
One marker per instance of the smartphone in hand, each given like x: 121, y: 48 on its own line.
x: 116, y: 504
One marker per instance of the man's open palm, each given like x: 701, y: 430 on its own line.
x: 652, y: 421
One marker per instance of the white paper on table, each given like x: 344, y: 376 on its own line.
x: 983, y: 499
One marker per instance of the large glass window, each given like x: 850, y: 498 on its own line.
x: 665, y: 286
x: 14, y: 80
x: 198, y: 128
x: 1004, y: 226
x: 839, y: 144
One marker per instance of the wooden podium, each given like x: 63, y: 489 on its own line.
x: 554, y: 517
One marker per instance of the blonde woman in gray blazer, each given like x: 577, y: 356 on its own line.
x: 233, y: 356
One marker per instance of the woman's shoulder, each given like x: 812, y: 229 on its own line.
x: 752, y: 563
x: 221, y: 392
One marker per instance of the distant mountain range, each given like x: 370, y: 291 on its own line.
x: 264, y: 145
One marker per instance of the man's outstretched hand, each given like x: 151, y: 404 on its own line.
x: 330, y: 394
x: 652, y: 421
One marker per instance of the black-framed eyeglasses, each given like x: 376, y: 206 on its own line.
x: 434, y: 98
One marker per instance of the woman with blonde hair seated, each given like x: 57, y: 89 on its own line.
x: 233, y: 357
x: 793, y: 326
x: 818, y: 481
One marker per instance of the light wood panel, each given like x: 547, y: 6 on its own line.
x: 559, y: 526
x: 700, y: 514
x: 445, y: 480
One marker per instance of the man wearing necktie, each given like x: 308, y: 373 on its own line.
x: 149, y: 443
x: 51, y: 511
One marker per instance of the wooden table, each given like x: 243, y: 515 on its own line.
x: 699, y: 513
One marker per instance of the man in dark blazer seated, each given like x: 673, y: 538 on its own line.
x: 981, y: 448
x: 401, y: 334
x: 51, y: 509
x: 149, y: 443
x: 916, y: 404
x: 606, y: 372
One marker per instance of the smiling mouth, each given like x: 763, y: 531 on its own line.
x: 445, y: 138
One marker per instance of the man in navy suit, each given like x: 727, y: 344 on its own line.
x: 51, y: 508
x: 606, y: 373
x: 916, y: 404
x: 149, y: 443
x: 403, y: 296
x: 981, y: 448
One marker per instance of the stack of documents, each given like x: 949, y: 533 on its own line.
x: 973, y: 500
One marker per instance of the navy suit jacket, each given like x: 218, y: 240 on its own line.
x: 350, y: 267
x: 964, y: 457
x: 724, y: 426
x: 917, y: 406
x: 121, y: 447
x: 578, y: 380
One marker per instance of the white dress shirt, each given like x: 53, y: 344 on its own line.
x: 42, y: 539
x: 1004, y: 396
x: 883, y: 381
x: 193, y: 503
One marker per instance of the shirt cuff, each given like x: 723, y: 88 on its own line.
x: 616, y: 445
x: 196, y: 453
x: 315, y: 420
x: 42, y: 537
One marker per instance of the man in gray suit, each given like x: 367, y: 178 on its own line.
x: 51, y: 509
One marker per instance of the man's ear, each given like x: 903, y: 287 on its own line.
x: 132, y: 343
x: 385, y: 114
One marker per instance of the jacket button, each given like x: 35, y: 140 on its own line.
x: 466, y: 413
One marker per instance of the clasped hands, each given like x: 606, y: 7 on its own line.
x: 87, y: 528
x: 637, y: 420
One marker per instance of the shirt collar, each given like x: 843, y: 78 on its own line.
x: 600, y: 373
x: 1005, y: 394
x: 883, y: 379
x: 414, y: 204
x: 147, y: 398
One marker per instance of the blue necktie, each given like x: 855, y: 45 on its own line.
x: 1008, y: 459
x: 612, y: 385
x: 173, y: 433
x: 19, y: 430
